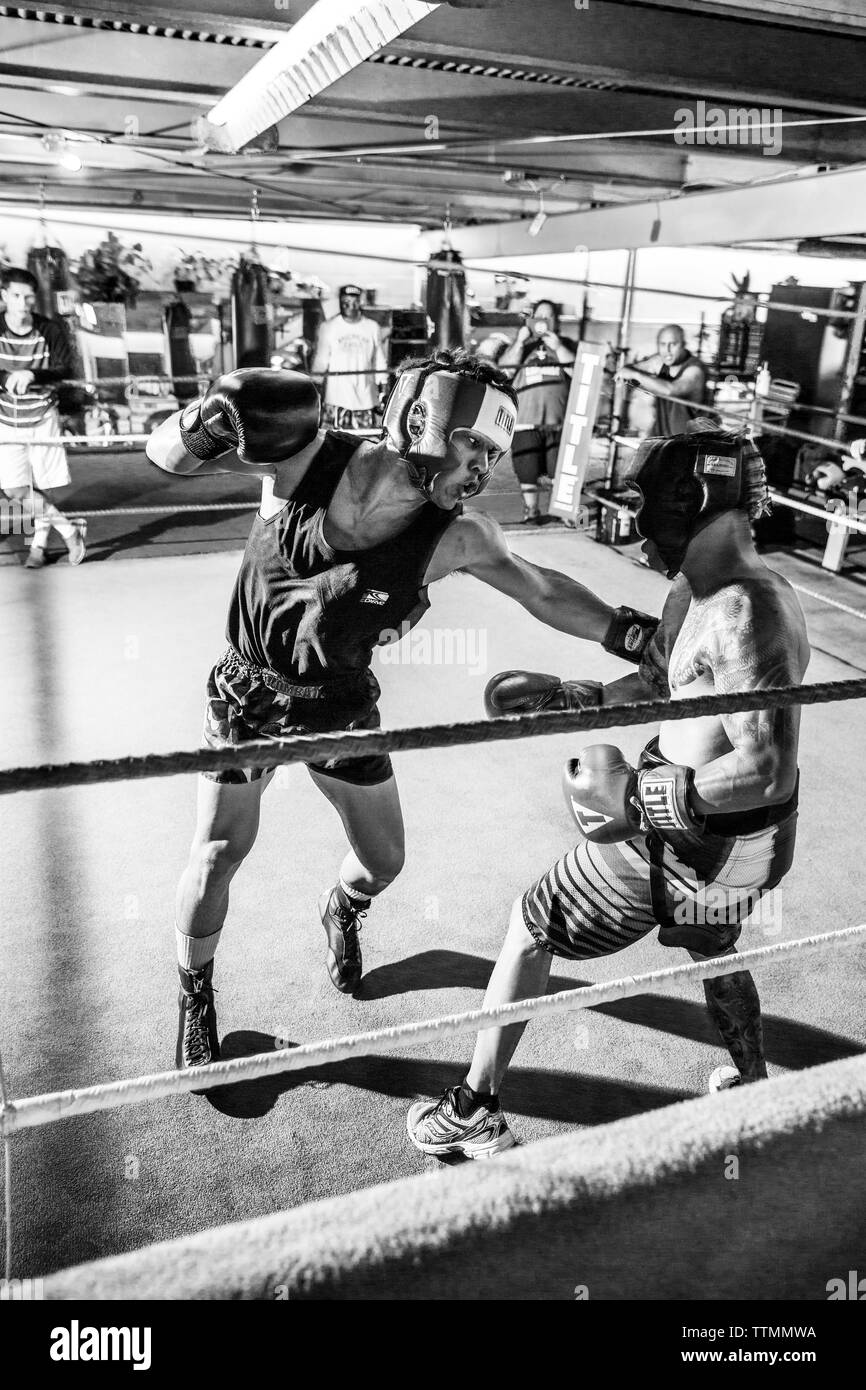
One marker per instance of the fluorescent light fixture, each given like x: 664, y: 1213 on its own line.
x: 330, y: 40
x: 56, y: 147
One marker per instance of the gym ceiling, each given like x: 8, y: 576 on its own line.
x: 456, y: 113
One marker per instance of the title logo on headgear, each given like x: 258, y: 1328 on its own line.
x: 719, y: 465
x: 504, y: 419
x: 416, y: 419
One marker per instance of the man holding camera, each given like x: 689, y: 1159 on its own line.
x: 542, y: 382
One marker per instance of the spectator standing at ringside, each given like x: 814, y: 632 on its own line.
x: 679, y: 377
x: 543, y: 358
x: 34, y: 356
x: 350, y: 357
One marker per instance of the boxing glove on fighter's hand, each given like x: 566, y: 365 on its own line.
x: 611, y: 801
x: 527, y: 692
x: 628, y: 634
x: 601, y: 793
x: 266, y: 414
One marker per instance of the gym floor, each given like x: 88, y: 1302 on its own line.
x: 88, y: 876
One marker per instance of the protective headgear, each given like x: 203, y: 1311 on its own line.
x: 350, y: 289
x: 685, y: 482
x: 424, y: 409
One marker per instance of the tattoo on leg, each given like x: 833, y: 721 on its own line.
x: 736, y: 1011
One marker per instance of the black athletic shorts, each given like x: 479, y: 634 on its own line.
x: 534, y: 452
x: 246, y: 703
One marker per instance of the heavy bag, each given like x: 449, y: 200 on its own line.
x: 51, y: 268
x: 177, y: 319
x: 446, y: 298
x: 55, y: 299
x: 251, y: 315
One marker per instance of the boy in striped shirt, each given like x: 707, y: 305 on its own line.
x: 34, y: 357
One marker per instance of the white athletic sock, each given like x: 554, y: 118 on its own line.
x: 194, y: 952
x: 354, y: 894
x: 66, y: 528
x: 530, y: 497
x: 41, y: 532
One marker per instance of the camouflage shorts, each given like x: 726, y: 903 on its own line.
x: 243, y: 707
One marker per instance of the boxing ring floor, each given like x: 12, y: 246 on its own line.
x: 101, y: 663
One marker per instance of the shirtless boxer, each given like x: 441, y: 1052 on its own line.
x: 349, y: 535
x: 705, y: 824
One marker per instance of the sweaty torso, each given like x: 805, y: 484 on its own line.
x: 751, y: 629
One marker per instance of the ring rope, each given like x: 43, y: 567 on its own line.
x: 180, y: 509
x: 71, y: 441
x: 7, y: 1179
x: 833, y: 602
x: 31, y: 1111
x: 830, y: 514
x: 755, y: 427
x: 362, y: 742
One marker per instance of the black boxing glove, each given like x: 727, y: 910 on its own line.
x: 629, y: 633
x: 528, y: 692
x: 266, y: 414
x: 611, y: 801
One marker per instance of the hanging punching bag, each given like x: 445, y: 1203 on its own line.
x: 251, y: 315
x: 177, y: 319
x: 55, y: 299
x: 446, y: 298
x: 51, y: 268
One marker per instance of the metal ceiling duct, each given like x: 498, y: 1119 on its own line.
x: 330, y: 40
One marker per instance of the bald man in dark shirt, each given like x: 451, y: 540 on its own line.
x: 681, y: 377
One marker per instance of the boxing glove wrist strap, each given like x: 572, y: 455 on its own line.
x: 629, y: 633
x: 197, y: 438
x: 664, y: 794
x: 579, y: 695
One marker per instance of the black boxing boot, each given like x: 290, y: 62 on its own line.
x: 197, y: 1038
x: 340, y: 916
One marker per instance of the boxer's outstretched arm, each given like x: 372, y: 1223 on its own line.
x: 689, y: 384
x: 479, y: 548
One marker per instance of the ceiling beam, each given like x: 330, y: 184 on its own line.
x: 646, y: 82
x: 789, y: 14
x: 180, y: 19
x: 828, y: 204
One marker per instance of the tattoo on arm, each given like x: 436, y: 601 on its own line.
x: 755, y: 649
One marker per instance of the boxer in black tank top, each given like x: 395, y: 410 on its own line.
x: 348, y: 538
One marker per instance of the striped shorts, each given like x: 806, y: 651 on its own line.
x: 598, y: 899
